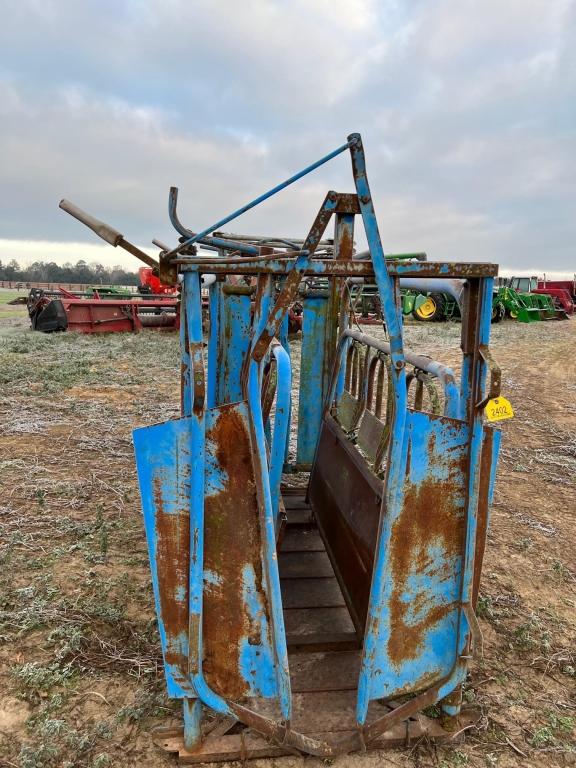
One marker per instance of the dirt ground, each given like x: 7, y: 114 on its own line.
x: 80, y: 673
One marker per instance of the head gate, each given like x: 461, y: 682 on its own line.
x: 385, y: 542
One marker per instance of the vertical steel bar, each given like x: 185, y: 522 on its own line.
x: 192, y: 723
x: 192, y: 708
x: 391, y: 501
x: 477, y: 332
x: 265, y: 498
x: 281, y: 424
x: 343, y: 251
x: 215, y: 294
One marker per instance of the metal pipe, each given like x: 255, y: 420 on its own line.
x: 271, y: 239
x: 365, y: 256
x: 209, y: 242
x: 281, y: 423
x: 260, y: 199
x: 453, y: 287
x: 444, y: 374
x: 106, y: 232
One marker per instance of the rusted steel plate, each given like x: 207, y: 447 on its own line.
x: 489, y: 460
x: 347, y: 410
x: 163, y: 462
x: 370, y: 434
x: 238, y: 652
x: 415, y: 625
x: 85, y: 316
x: 345, y: 497
x: 313, y: 374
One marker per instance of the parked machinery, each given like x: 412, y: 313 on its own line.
x: 526, y: 307
x: 561, y: 294
x: 92, y: 312
x: 324, y: 617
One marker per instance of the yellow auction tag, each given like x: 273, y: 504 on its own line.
x: 498, y: 408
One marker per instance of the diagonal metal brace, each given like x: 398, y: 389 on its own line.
x: 495, y: 374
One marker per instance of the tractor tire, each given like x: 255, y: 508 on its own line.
x: 433, y: 309
x: 498, y: 313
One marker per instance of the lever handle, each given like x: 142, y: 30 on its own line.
x: 106, y: 232
x: 103, y: 230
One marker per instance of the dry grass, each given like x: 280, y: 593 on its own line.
x: 81, y: 670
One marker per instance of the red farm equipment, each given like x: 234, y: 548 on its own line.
x: 151, y: 283
x: 560, y: 288
x: 62, y: 310
x: 107, y: 310
x: 562, y: 292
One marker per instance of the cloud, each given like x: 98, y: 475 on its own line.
x: 467, y: 109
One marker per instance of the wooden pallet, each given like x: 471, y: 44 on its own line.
x: 324, y: 657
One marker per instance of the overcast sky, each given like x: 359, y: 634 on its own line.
x: 467, y: 109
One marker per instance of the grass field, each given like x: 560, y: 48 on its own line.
x: 80, y: 668
x: 7, y: 311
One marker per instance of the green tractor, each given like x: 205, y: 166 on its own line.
x: 437, y: 307
x: 429, y: 307
x: 507, y: 302
x: 528, y: 307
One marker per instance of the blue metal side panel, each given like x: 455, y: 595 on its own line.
x: 283, y: 338
x: 185, y: 379
x: 417, y: 625
x: 261, y: 470
x: 215, y: 293
x: 163, y: 463
x: 475, y: 452
x: 311, y: 377
x: 496, y: 440
x: 233, y: 594
x: 233, y: 348
x: 281, y: 425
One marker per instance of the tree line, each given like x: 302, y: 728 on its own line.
x: 81, y: 272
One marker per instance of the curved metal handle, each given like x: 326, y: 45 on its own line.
x: 209, y: 242
x: 174, y: 220
x: 106, y: 232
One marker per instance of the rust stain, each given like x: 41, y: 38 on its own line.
x: 183, y: 382
x: 232, y: 541
x: 172, y: 560
x: 429, y: 518
x: 482, y: 522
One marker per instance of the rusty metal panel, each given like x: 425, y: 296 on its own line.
x: 238, y: 652
x: 164, y: 470
x: 347, y: 410
x: 411, y: 639
x: 489, y: 462
x: 312, y: 375
x: 345, y: 497
x: 232, y: 347
x: 370, y: 434
x: 94, y: 316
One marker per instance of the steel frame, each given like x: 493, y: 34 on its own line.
x: 177, y: 470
